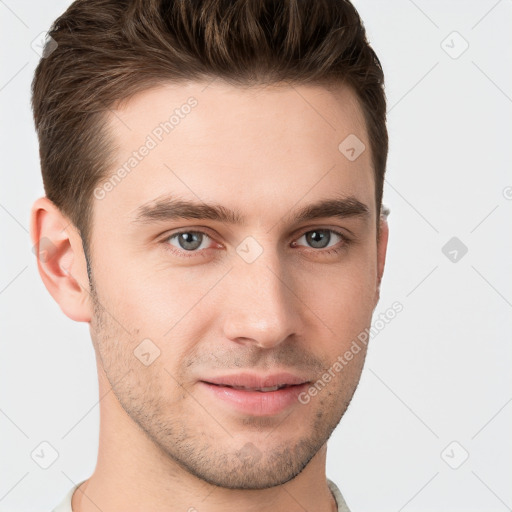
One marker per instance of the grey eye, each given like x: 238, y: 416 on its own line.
x: 320, y: 238
x: 189, y: 240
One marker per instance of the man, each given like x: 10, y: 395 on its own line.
x: 213, y: 175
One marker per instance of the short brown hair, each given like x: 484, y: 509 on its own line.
x: 108, y: 50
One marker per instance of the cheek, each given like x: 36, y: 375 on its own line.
x: 171, y: 298
x: 343, y: 296
x: 140, y: 295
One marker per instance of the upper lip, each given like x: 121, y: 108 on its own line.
x: 255, y: 381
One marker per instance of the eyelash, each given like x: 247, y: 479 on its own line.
x: 191, y: 254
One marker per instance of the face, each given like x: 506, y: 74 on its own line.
x: 212, y: 322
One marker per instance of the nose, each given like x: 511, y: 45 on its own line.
x: 261, y: 307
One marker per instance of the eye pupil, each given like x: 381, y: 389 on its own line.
x: 318, y: 236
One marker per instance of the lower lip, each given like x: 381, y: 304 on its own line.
x: 257, y: 403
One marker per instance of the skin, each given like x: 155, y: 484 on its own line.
x: 165, y: 443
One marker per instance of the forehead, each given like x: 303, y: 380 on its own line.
x: 248, y: 148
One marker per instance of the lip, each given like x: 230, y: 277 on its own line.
x: 255, y: 381
x: 246, y: 393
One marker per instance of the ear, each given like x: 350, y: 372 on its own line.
x: 382, y: 245
x: 60, y: 259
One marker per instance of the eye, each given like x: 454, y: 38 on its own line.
x: 187, y: 242
x: 320, y: 239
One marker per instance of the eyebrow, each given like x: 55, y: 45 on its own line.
x: 169, y: 209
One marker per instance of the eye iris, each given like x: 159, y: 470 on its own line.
x: 188, y: 239
x: 318, y: 236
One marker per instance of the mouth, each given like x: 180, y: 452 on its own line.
x: 257, y: 395
x: 259, y: 389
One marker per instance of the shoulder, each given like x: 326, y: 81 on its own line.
x: 342, y: 506
x: 65, y: 504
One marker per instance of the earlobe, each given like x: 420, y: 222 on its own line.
x: 382, y: 245
x: 60, y: 259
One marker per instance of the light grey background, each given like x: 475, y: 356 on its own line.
x: 438, y: 373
